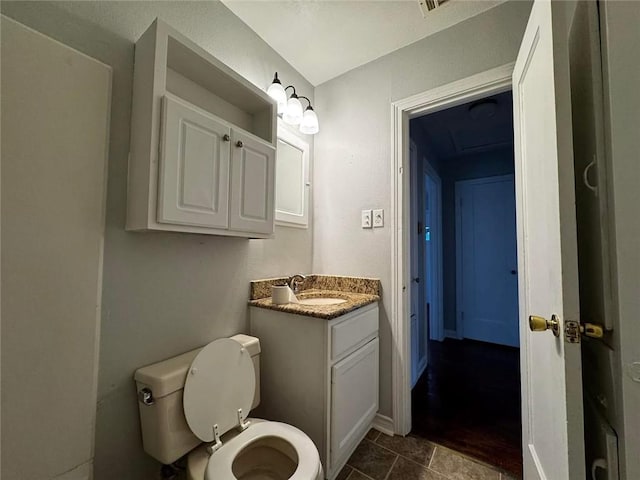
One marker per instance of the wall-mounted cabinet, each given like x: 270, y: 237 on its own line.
x: 203, y: 143
x: 292, y: 180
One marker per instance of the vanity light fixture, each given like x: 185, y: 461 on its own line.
x: 277, y: 92
x: 309, y: 123
x: 291, y: 110
x: 293, y: 114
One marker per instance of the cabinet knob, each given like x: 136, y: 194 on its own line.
x: 226, y: 137
x: 239, y: 144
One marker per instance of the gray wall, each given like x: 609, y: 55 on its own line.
x: 163, y: 293
x: 353, y: 148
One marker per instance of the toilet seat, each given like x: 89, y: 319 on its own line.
x: 220, y: 463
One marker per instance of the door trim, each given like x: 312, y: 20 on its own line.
x: 490, y: 82
x: 436, y: 328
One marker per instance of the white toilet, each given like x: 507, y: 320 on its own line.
x: 205, y: 396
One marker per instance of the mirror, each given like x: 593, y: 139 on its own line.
x: 292, y: 180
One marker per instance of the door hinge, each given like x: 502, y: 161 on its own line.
x: 573, y: 330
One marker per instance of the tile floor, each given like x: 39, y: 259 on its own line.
x: 380, y: 457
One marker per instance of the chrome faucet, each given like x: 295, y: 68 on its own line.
x: 294, y: 282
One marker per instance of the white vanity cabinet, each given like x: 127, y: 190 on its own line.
x: 320, y: 376
x: 203, y: 142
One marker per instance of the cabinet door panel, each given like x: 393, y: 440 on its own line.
x: 194, y: 168
x: 354, y: 398
x: 252, y: 184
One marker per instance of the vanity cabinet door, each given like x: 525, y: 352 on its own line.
x: 194, y: 167
x: 252, y: 184
x: 354, y: 398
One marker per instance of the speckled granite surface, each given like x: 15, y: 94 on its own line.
x: 371, y: 286
x: 353, y: 301
x: 357, y: 292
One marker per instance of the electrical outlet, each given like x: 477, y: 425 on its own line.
x: 378, y: 218
x: 366, y: 219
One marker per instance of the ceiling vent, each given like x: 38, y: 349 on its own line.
x: 427, y: 5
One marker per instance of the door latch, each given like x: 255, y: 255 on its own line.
x: 573, y: 330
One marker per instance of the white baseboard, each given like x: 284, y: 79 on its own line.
x: 451, y: 334
x: 383, y: 424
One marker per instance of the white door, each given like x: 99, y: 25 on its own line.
x: 252, y: 184
x: 194, y: 167
x: 552, y: 425
x: 486, y: 273
x: 55, y: 131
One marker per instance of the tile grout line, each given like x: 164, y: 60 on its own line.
x: 433, y: 454
x: 356, y: 470
x: 468, y: 459
x: 399, y: 454
x: 395, y: 460
x: 468, y: 456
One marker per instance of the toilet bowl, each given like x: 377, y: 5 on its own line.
x: 265, y: 450
x: 198, y: 403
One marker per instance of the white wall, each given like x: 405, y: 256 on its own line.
x: 353, y: 148
x: 163, y: 293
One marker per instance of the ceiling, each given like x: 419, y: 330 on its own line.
x: 454, y: 132
x: 326, y: 38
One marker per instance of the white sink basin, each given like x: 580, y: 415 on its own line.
x: 321, y: 301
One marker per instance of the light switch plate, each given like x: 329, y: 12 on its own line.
x: 378, y: 218
x: 366, y: 219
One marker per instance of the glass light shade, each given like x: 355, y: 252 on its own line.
x: 276, y: 92
x: 309, y: 124
x: 293, y: 113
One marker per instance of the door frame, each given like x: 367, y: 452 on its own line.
x: 416, y: 309
x: 458, y: 247
x: 490, y: 82
x: 436, y: 328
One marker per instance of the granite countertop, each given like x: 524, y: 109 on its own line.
x: 357, y: 292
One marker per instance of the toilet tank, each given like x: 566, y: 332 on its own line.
x: 165, y: 433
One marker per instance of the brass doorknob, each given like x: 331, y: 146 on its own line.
x: 540, y: 324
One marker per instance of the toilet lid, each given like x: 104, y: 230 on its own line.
x: 220, y: 381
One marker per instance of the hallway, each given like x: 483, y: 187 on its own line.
x: 466, y: 421
x: 468, y: 400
